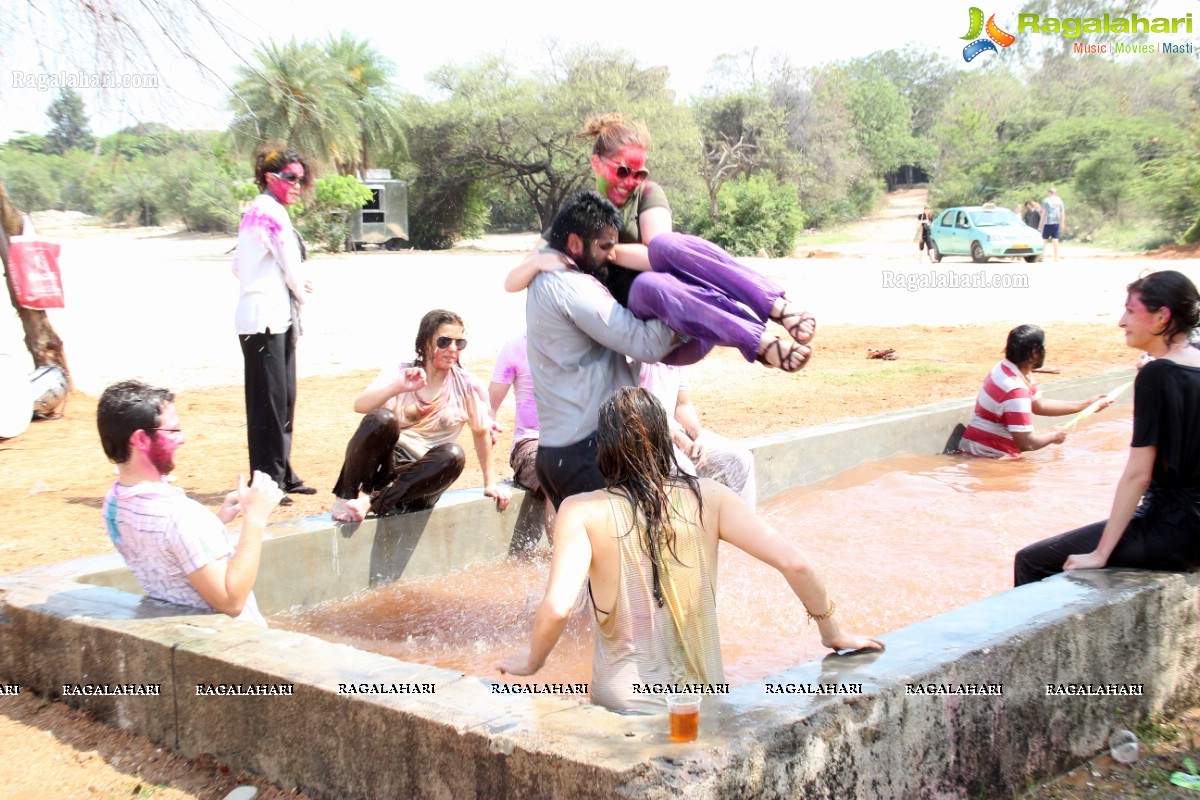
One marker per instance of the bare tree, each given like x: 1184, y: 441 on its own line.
x: 101, y: 35
x: 722, y: 162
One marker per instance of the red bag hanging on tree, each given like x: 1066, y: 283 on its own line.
x: 33, y: 268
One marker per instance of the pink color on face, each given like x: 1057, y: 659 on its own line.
x: 165, y: 441
x: 1141, y: 324
x: 612, y: 187
x: 286, y: 193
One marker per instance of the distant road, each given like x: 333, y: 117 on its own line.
x: 174, y: 295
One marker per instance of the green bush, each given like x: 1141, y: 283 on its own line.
x: 31, y: 184
x: 208, y: 201
x: 324, y: 219
x: 442, y: 213
x: 86, y: 181
x: 753, y: 214
x: 138, y: 197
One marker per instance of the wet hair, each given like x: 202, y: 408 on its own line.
x: 274, y: 157
x: 613, y: 132
x: 635, y: 456
x: 427, y: 330
x: 127, y: 407
x: 585, y: 214
x: 1024, y: 344
x: 1174, y: 291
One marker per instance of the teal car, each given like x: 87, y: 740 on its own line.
x: 984, y: 232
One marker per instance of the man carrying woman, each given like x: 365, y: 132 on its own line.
x: 693, y: 286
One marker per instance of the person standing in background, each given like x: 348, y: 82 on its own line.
x: 272, y: 287
x: 1054, y: 219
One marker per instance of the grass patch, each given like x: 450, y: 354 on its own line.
x: 1129, y: 237
x: 825, y: 237
x: 1157, y: 729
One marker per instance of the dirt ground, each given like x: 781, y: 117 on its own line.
x: 56, y: 472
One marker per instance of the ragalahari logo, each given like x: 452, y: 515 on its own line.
x: 995, y: 36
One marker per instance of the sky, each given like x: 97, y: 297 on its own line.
x: 39, y: 38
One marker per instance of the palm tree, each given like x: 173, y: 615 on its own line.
x: 297, y: 94
x: 367, y: 75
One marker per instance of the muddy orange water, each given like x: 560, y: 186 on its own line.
x: 896, y: 541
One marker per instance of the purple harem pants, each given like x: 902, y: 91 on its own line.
x: 696, y: 288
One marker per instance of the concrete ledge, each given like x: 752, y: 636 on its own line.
x: 465, y: 528
x: 76, y: 622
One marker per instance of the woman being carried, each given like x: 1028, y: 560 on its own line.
x: 692, y: 285
x: 1155, y: 517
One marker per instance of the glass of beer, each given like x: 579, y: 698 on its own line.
x: 684, y: 710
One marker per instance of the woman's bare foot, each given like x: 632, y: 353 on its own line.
x: 350, y: 510
x: 800, y: 325
x: 787, y: 356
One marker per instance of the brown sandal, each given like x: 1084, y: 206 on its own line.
x: 788, y: 356
x: 791, y: 322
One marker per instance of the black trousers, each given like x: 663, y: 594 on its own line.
x: 396, y: 482
x: 1144, y: 545
x: 270, y: 379
x: 569, y: 470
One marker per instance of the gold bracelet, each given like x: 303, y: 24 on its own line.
x: 822, y: 617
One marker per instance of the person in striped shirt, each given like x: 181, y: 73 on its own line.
x: 1002, y: 426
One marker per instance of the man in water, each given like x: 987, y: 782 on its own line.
x: 579, y: 338
x: 179, y: 551
x: 1002, y: 425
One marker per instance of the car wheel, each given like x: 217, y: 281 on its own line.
x: 935, y: 253
x: 1033, y: 259
x: 977, y: 254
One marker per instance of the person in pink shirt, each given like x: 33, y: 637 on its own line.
x: 512, y: 372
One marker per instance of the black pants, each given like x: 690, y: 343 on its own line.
x: 270, y: 377
x: 1144, y: 545
x: 396, y: 482
x: 569, y: 470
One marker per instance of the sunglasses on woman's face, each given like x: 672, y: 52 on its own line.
x: 624, y: 172
x: 444, y: 341
x: 290, y: 177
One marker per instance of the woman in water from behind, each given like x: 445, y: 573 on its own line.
x: 1155, y: 517
x: 692, y: 285
x: 647, y: 547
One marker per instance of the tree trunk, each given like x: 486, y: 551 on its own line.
x: 40, y: 339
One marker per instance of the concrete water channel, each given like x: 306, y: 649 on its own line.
x: 928, y: 721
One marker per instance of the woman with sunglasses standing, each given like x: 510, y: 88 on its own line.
x: 403, y: 455
x: 692, y: 285
x: 268, y: 266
